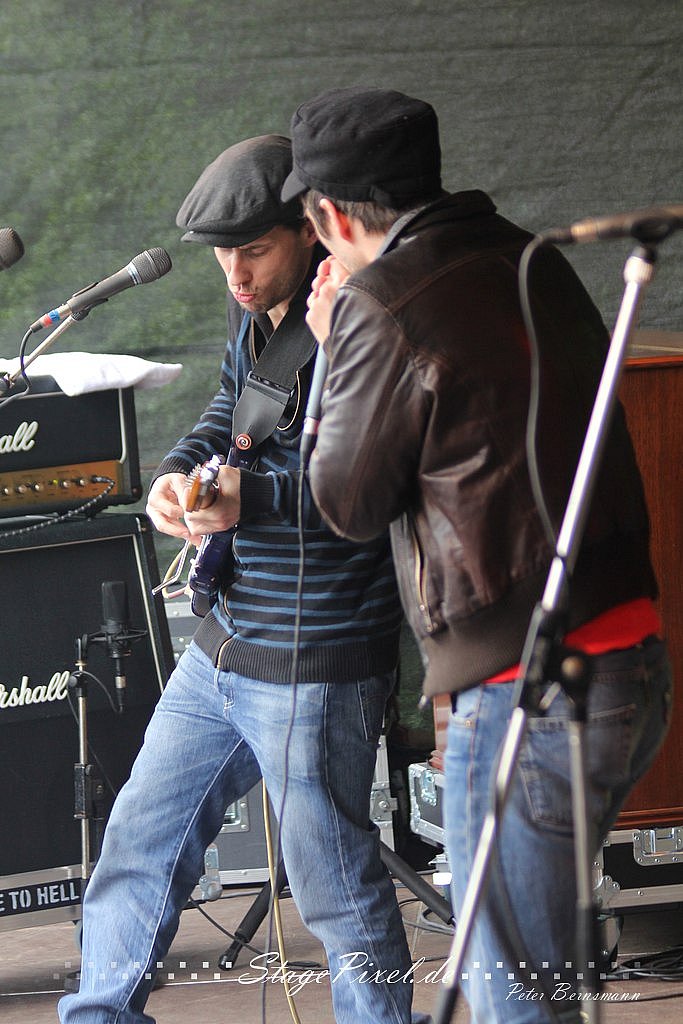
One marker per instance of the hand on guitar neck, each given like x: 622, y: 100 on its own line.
x: 212, y: 499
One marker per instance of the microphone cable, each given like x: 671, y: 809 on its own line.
x: 6, y: 399
x: 534, y: 389
x: 91, y: 750
x: 23, y: 358
x: 277, y: 918
x: 274, y: 847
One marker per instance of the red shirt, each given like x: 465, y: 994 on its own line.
x: 619, y: 627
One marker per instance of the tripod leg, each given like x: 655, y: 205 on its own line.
x: 417, y: 885
x: 251, y: 921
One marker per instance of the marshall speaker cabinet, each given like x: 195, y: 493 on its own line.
x: 51, y: 586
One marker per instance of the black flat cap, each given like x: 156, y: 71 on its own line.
x: 366, y: 144
x: 237, y: 197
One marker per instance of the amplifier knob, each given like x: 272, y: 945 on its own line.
x: 65, y: 484
x: 5, y: 491
x: 80, y: 482
x: 37, y: 487
x: 21, y: 489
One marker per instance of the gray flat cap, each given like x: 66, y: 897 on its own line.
x: 237, y: 197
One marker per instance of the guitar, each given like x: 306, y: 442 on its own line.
x: 213, y: 564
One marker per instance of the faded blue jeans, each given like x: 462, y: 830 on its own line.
x: 528, y: 915
x: 212, y: 736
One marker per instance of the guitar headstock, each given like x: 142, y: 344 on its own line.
x: 193, y: 486
x: 201, y: 481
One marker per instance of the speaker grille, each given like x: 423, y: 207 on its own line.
x: 52, y: 584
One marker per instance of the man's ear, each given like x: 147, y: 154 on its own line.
x: 337, y: 221
x: 308, y: 235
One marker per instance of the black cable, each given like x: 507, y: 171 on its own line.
x: 64, y: 516
x: 423, y: 924
x: 664, y: 966
x: 246, y: 945
x: 22, y: 369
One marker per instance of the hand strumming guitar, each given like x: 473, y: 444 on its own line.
x: 167, y: 505
x: 219, y: 510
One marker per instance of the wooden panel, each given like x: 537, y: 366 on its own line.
x: 652, y: 393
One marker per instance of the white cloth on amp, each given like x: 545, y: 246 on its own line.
x: 79, y: 372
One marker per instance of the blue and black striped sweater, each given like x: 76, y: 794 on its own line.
x: 350, y: 612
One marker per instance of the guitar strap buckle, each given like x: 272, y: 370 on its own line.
x: 269, y: 384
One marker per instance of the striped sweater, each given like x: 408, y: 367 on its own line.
x: 350, y: 611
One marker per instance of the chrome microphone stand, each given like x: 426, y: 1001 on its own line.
x: 543, y: 644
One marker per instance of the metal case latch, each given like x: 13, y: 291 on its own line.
x: 658, y: 845
x: 210, y: 882
x: 428, y: 788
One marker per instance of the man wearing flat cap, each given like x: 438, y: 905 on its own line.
x: 424, y: 431
x: 263, y: 691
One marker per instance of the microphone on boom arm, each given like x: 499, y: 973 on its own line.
x: 147, y: 266
x: 649, y: 225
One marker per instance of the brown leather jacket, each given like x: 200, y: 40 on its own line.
x: 424, y: 425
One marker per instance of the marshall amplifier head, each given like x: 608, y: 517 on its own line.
x: 59, y: 452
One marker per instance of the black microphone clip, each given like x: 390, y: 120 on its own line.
x: 116, y: 633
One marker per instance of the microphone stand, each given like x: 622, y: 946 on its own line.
x: 88, y: 788
x: 543, y: 648
x: 8, y: 380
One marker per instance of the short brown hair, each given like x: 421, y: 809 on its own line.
x: 373, y: 216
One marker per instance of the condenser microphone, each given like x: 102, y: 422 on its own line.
x: 116, y: 632
x: 11, y: 248
x: 652, y: 224
x: 312, y: 416
x: 146, y: 266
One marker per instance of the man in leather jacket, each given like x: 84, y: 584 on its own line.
x: 423, y: 430
x: 251, y: 698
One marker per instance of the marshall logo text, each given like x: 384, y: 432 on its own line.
x: 22, y: 440
x: 42, y: 693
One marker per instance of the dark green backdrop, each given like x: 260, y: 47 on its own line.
x: 111, y: 109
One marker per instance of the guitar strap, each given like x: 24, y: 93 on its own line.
x: 269, y: 385
x: 257, y: 412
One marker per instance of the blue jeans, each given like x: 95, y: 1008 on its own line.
x: 212, y: 736
x: 528, y: 914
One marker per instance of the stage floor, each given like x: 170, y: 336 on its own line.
x: 34, y: 962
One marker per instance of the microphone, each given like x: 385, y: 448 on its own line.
x: 116, y: 631
x: 652, y: 224
x: 146, y: 266
x: 11, y: 248
x: 312, y: 415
